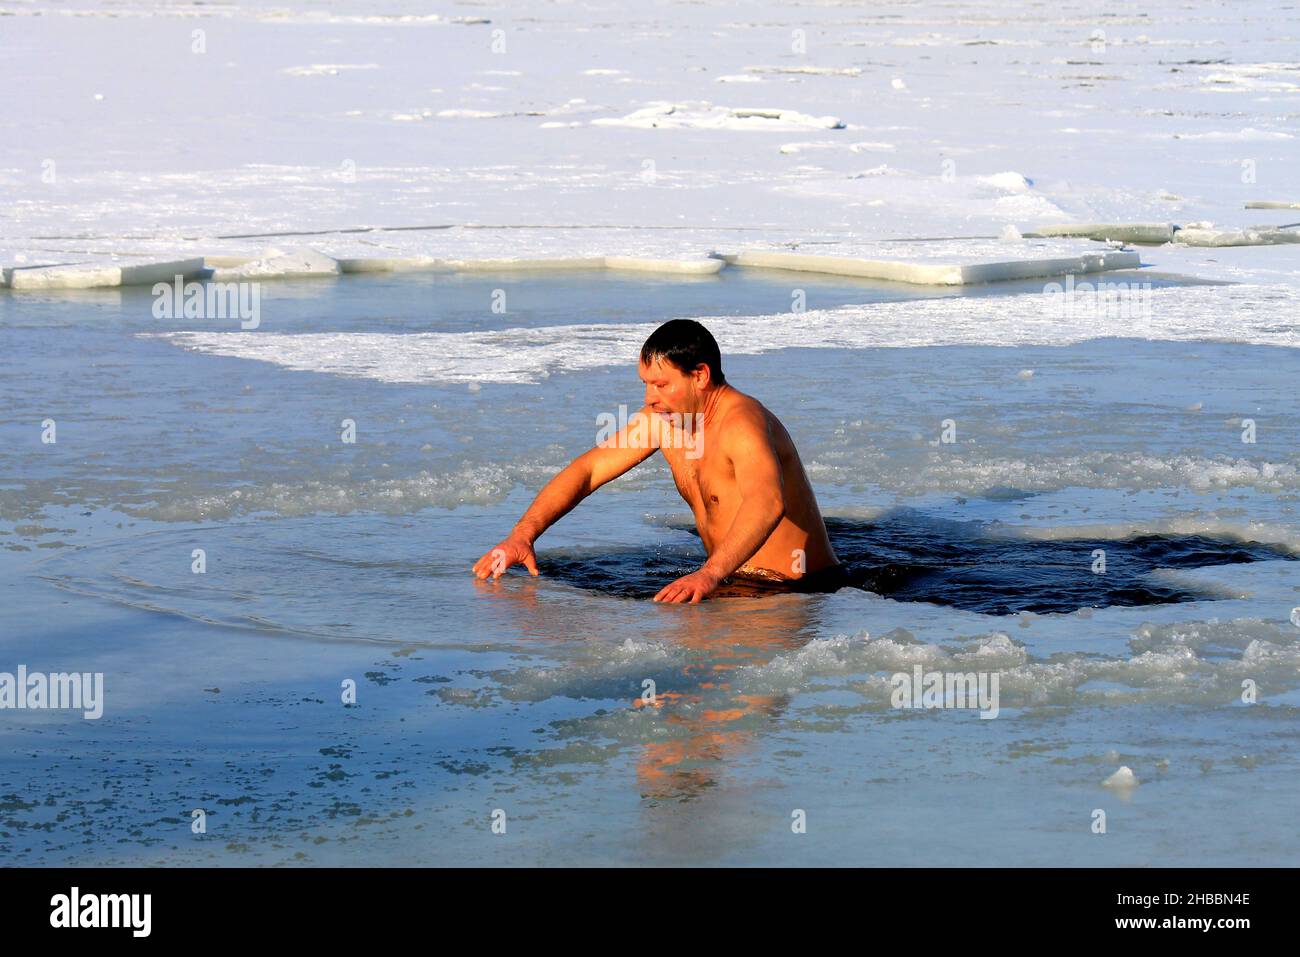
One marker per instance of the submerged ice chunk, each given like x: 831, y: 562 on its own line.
x: 1122, y: 780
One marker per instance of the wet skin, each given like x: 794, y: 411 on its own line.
x: 734, y: 464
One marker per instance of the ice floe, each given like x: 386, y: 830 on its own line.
x: 174, y: 197
x: 1261, y: 236
x: 1120, y: 232
x: 299, y: 263
x: 92, y: 275
x: 938, y: 274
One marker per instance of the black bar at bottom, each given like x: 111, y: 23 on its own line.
x: 334, y: 906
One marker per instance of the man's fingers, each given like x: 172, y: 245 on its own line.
x: 501, y: 560
x: 673, y: 594
x: 483, y: 567
x: 677, y: 593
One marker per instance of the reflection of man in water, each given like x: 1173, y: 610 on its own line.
x: 709, y: 711
x: 733, y: 462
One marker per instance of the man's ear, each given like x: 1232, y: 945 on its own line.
x: 703, y: 377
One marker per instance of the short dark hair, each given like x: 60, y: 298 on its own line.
x: 686, y: 344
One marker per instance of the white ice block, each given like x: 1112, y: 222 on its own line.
x: 393, y: 264
x: 1122, y: 780
x: 227, y: 262
x: 689, y: 267
x: 299, y: 263
x: 938, y: 274
x: 1151, y: 233
x: 1272, y: 204
x: 1045, y: 268
x: 1264, y: 236
x: 506, y: 265
x: 101, y: 275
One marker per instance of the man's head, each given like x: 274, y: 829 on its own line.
x: 680, y: 364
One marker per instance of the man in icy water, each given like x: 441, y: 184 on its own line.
x: 733, y: 462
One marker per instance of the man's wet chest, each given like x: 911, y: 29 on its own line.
x: 702, y: 478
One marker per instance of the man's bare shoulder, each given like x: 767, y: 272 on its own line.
x: 743, y: 410
x: 744, y: 420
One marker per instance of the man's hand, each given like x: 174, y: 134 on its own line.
x: 690, y: 588
x: 513, y: 551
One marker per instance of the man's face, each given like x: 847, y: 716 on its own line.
x: 667, y: 388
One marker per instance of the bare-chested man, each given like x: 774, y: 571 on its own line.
x: 732, y: 460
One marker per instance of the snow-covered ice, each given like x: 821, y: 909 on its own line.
x: 625, y: 145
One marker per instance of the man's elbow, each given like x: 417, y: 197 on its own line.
x: 580, y: 475
x: 774, y: 509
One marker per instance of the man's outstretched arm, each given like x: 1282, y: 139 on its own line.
x: 628, y: 448
x: 758, y: 475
